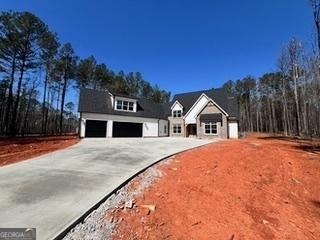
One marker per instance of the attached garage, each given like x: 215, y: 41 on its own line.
x: 127, y: 129
x: 96, y: 128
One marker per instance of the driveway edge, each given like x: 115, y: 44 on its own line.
x: 80, y: 219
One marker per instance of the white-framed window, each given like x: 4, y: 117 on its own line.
x: 130, y: 106
x: 119, y: 105
x: 176, y: 113
x: 210, y: 128
x: 123, y: 105
x: 176, y: 128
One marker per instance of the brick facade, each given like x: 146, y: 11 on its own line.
x: 222, y: 127
x: 173, y: 121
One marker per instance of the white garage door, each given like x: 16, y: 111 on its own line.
x: 233, y: 130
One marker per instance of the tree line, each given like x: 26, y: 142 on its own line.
x: 34, y: 63
x: 286, y: 101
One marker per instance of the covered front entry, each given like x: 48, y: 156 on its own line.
x: 127, y: 129
x: 96, y: 128
x: 191, y: 130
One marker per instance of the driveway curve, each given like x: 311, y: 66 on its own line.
x: 51, y: 191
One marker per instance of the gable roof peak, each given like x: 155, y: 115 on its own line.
x: 176, y: 102
x: 219, y: 95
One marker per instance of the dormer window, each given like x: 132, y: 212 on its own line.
x: 130, y: 106
x: 177, y: 113
x: 119, y: 105
x: 123, y: 105
x: 176, y: 110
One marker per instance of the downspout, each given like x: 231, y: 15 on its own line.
x: 80, y: 124
x: 228, y: 135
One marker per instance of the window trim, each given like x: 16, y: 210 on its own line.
x: 211, y: 124
x: 125, y: 105
x: 117, y: 105
x: 122, y: 103
x: 131, y: 105
x: 176, y: 127
x: 177, y: 112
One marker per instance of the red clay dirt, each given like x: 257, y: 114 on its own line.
x: 14, y: 150
x: 254, y: 188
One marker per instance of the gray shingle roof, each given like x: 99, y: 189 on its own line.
x: 94, y: 101
x: 225, y: 100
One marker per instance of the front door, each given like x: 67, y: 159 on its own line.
x: 191, y: 130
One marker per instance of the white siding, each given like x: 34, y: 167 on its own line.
x: 150, y: 129
x: 150, y: 125
x: 176, y: 107
x: 109, y: 128
x: 82, y: 127
x: 163, y: 128
x: 191, y: 117
x: 233, y: 130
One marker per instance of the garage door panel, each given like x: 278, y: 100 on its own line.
x: 127, y: 129
x: 96, y: 128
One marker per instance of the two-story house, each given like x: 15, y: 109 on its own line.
x: 202, y: 114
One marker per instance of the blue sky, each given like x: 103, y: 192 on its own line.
x: 179, y: 45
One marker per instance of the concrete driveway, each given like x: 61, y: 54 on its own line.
x: 51, y: 191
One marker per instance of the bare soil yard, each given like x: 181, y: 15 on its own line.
x: 254, y: 188
x: 14, y: 150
